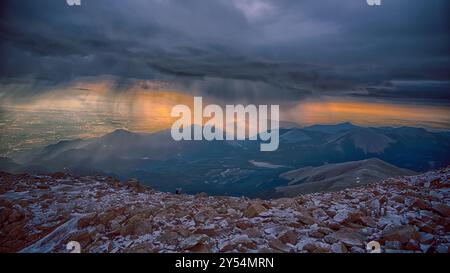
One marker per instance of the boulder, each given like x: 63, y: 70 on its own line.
x: 349, y: 238
x: 442, y: 209
x: 420, y: 204
x: 169, y: 237
x: 288, y: 237
x: 278, y: 245
x: 401, y: 234
x: 136, y: 225
x: 310, y: 247
x: 86, y: 220
x: 316, y: 234
x: 254, y: 209
x: 182, y: 231
x: 349, y: 218
x: 4, y: 214
x: 253, y: 232
x: 368, y: 221
x: 134, y: 184
x: 338, y: 248
x: 242, y: 224
x: 16, y: 215
x: 201, y: 195
x: 307, y: 220
x: 193, y: 240
x: 211, y: 231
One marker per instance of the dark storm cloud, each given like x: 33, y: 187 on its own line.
x: 282, y: 48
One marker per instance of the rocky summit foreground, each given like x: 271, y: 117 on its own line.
x: 43, y: 213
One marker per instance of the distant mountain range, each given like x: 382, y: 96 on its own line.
x: 234, y: 167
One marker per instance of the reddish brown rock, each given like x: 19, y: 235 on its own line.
x: 420, y: 204
x: 310, y: 247
x: 5, y: 203
x: 42, y: 186
x: 136, y: 225
x: 325, y: 230
x: 438, y: 184
x: 170, y: 237
x: 316, y: 234
x: 86, y: 220
x: 368, y: 221
x: 135, y: 185
x: 16, y: 215
x: 288, y: 237
x: 442, y: 209
x: 307, y: 220
x: 183, y: 232
x: 4, y: 214
x: 401, y: 234
x: 412, y: 245
x: 83, y: 237
x: 193, y: 241
x: 210, y: 231
x: 278, y: 245
x: 58, y: 175
x: 253, y: 232
x: 201, y: 195
x: 348, y: 217
x: 426, y: 228
x: 321, y: 250
x: 243, y: 224
x: 205, y: 215
x: 254, y: 209
x: 399, y: 199
x: 349, y: 238
x: 334, y: 226
x: 200, y: 248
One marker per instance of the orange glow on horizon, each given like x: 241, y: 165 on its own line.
x: 368, y: 113
x: 146, y: 106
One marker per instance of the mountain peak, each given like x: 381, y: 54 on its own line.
x: 120, y: 131
x: 367, y: 139
x: 332, y: 128
x: 347, y: 123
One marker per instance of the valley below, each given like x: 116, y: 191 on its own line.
x: 311, y: 159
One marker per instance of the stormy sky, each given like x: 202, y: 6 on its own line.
x: 231, y: 49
